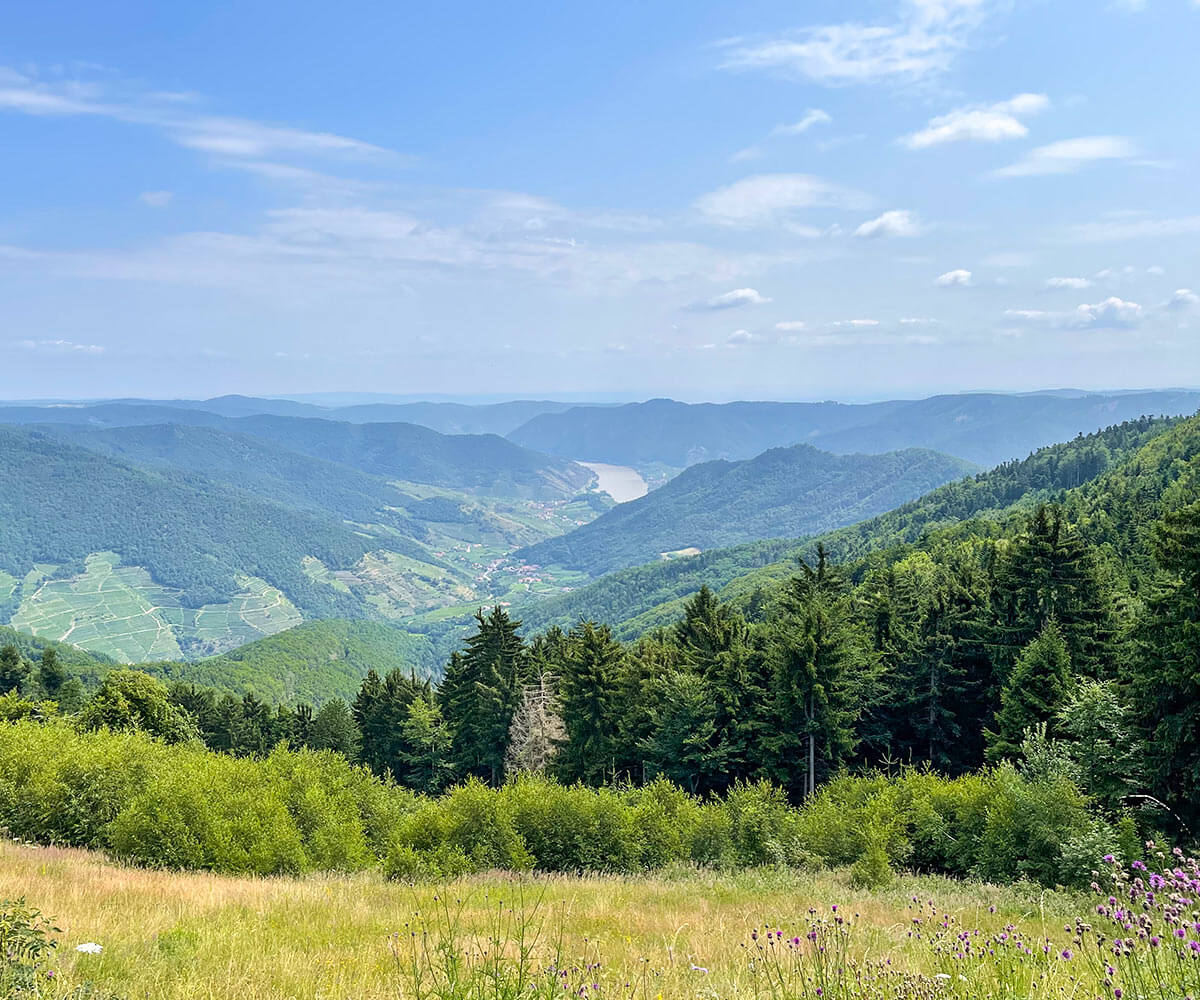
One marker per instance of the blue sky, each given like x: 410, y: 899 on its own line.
x: 706, y: 200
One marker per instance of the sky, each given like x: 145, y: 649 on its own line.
x: 707, y: 200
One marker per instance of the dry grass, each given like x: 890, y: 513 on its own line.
x: 170, y: 935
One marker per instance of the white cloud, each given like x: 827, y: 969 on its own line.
x: 59, y: 347
x: 730, y: 300
x: 921, y: 42
x: 813, y: 116
x: 1069, y: 156
x: 236, y: 138
x: 1155, y: 269
x: 857, y: 323
x: 1071, y: 283
x: 1183, y: 298
x: 1111, y: 313
x: 979, y: 123
x: 790, y: 325
x: 742, y: 338
x: 893, y: 223
x: 956, y: 278
x: 772, y: 199
x: 156, y: 199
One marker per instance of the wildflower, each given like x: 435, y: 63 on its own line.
x: 89, y: 948
x: 699, y: 968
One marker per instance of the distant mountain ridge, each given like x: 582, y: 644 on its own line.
x: 984, y: 428
x: 445, y: 417
x: 784, y: 492
x: 402, y: 451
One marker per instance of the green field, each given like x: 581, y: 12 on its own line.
x: 121, y: 612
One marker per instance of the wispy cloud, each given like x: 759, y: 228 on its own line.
x: 774, y: 199
x: 1070, y: 283
x: 1119, y: 229
x: 183, y: 122
x: 1069, y: 156
x: 979, y: 123
x: 731, y: 300
x: 813, y: 116
x: 156, y: 199
x: 894, y: 223
x: 58, y: 347
x: 923, y: 40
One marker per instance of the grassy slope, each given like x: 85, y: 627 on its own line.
x: 175, y: 936
x: 643, y: 597
x: 784, y: 492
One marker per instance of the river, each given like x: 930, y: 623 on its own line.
x: 619, y: 481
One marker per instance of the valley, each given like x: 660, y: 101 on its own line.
x: 620, y: 482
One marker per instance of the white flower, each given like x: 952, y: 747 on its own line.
x: 89, y: 948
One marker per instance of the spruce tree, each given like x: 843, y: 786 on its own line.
x: 50, y: 675
x: 1035, y: 692
x: 13, y: 669
x: 479, y: 694
x: 587, y: 686
x: 1165, y: 681
x: 821, y: 676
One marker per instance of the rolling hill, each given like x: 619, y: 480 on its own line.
x: 784, y: 492
x: 984, y: 428
x: 125, y: 548
x: 642, y: 597
x: 477, y: 462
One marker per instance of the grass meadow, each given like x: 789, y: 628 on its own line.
x: 169, y: 936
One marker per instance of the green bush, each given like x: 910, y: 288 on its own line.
x: 182, y: 806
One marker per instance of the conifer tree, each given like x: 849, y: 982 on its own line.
x: 13, y: 669
x: 1166, y: 673
x: 50, y: 674
x: 1051, y: 573
x: 479, y: 694
x: 1035, y: 692
x: 537, y: 731
x: 428, y: 767
x: 587, y: 687
x: 821, y: 672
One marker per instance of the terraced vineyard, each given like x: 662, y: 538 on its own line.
x: 121, y: 612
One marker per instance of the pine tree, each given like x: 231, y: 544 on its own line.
x: 50, y: 675
x: 1051, y: 573
x: 1035, y: 692
x: 334, y: 729
x: 1165, y: 682
x: 380, y: 711
x: 13, y: 669
x: 479, y: 694
x: 586, y: 696
x: 821, y: 672
x: 427, y: 764
x: 682, y: 746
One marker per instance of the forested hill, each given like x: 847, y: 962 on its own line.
x: 60, y: 503
x: 400, y: 451
x: 312, y: 662
x: 784, y: 492
x: 642, y: 597
x: 984, y: 428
